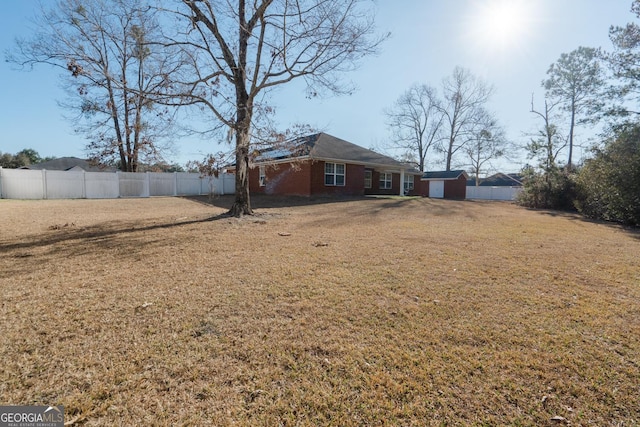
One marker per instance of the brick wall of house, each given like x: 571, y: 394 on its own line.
x: 307, y: 178
x: 290, y: 179
x: 375, y: 185
x: 420, y: 188
x: 353, y: 186
x: 456, y: 189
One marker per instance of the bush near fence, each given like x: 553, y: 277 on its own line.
x: 44, y: 184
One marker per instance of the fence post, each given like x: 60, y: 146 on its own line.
x: 84, y: 184
x: 175, y: 183
x: 146, y: 192
x: 1, y: 182
x: 44, y: 184
x: 118, y: 177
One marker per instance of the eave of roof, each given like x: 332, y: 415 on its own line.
x: 443, y: 175
x: 388, y: 168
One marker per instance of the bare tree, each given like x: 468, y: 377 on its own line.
x: 575, y: 80
x: 240, y: 50
x: 488, y: 143
x: 549, y: 141
x: 111, y: 69
x: 415, y: 122
x: 464, y: 99
x: 547, y: 185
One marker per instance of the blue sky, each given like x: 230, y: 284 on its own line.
x: 429, y: 38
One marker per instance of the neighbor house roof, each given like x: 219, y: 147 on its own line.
x: 69, y: 163
x: 322, y: 146
x: 443, y: 175
x: 499, y: 180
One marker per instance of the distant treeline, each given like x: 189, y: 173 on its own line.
x: 29, y: 156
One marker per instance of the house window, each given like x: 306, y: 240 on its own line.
x: 334, y: 174
x: 385, y: 180
x: 368, y: 178
x: 408, y: 182
x: 262, y: 176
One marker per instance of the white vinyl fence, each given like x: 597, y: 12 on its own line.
x: 493, y: 193
x: 44, y: 184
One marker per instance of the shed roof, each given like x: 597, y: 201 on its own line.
x: 443, y: 175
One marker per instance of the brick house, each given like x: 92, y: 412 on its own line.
x: 323, y: 165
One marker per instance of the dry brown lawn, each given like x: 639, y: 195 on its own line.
x: 371, y: 312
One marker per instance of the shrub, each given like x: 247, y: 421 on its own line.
x: 609, y: 184
x: 551, y: 189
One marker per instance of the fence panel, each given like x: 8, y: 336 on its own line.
x: 188, y: 184
x: 64, y: 184
x: 229, y: 183
x: 162, y: 184
x: 133, y: 184
x: 101, y: 185
x: 209, y: 185
x: 493, y: 193
x: 43, y: 184
x: 22, y: 184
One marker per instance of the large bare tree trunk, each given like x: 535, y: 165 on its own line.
x: 449, y: 154
x: 242, y: 204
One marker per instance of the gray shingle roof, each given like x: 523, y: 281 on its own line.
x: 443, y: 175
x: 501, y: 180
x: 66, y: 163
x: 329, y: 147
x: 322, y: 146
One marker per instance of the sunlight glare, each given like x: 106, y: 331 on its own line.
x: 501, y: 25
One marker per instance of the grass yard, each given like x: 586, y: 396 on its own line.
x: 372, y: 312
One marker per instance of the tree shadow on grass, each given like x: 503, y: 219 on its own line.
x: 260, y: 201
x: 96, y: 233
x: 373, y: 202
x: 112, y: 234
x: 575, y: 216
x: 131, y: 237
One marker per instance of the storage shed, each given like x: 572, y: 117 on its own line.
x: 447, y: 184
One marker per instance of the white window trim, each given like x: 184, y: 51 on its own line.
x: 409, y: 182
x: 383, y: 182
x: 335, y: 174
x: 368, y: 181
x: 262, y: 177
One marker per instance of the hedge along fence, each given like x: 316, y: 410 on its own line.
x: 44, y: 184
